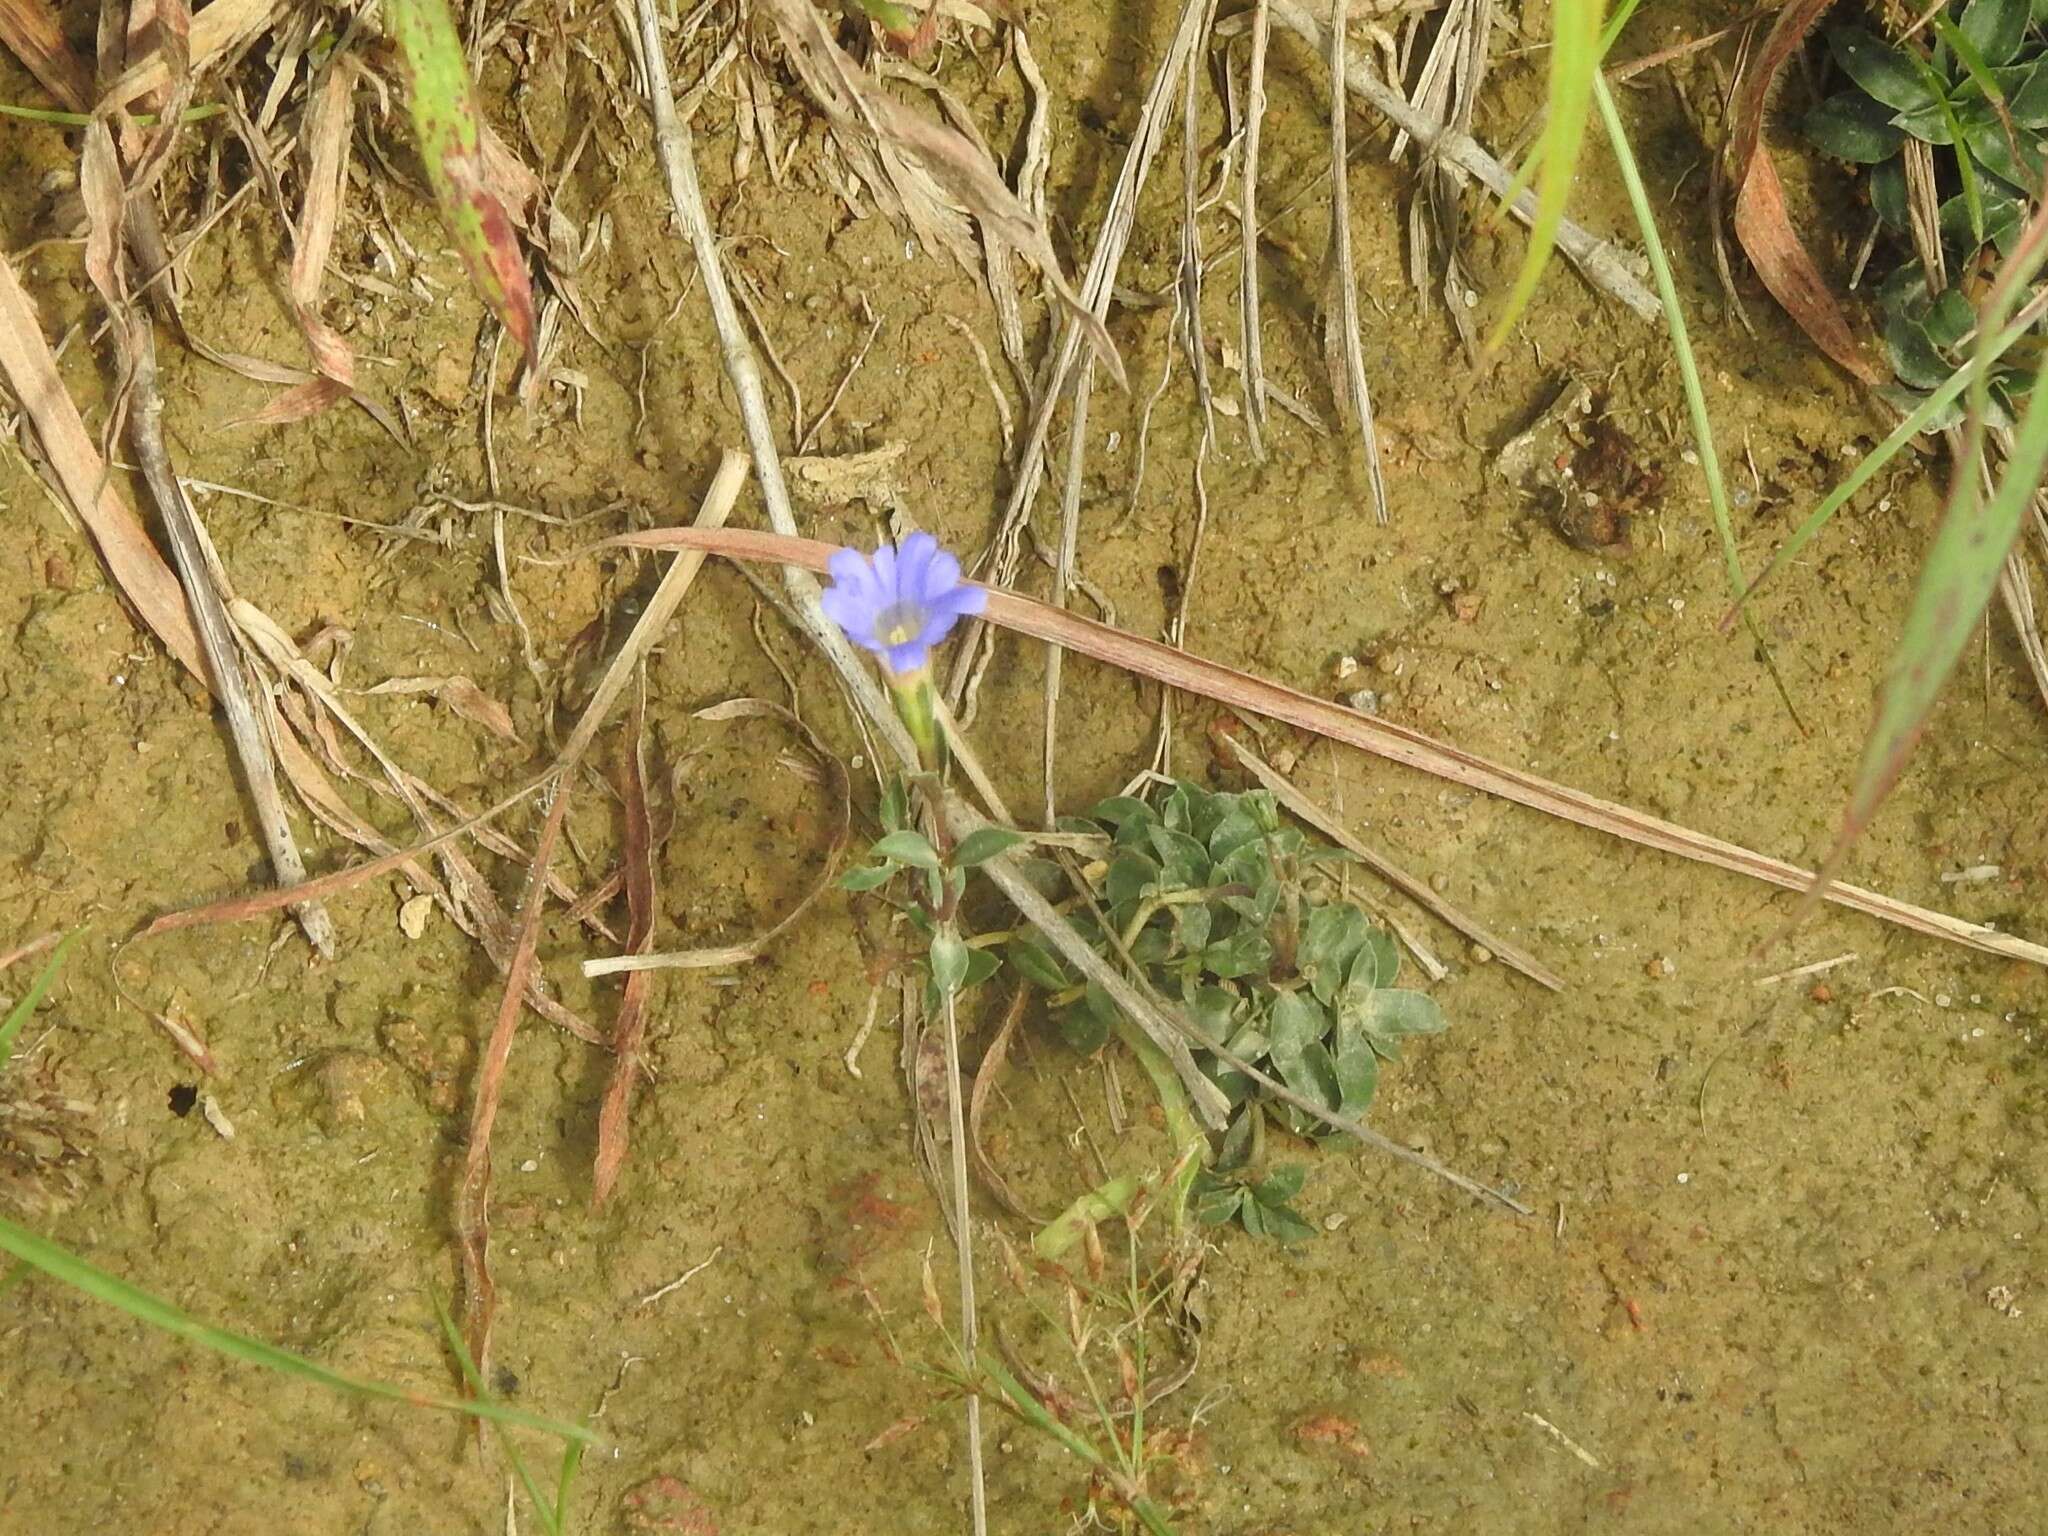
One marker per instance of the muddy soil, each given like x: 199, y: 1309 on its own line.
x: 1784, y: 1273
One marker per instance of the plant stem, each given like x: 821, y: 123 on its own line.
x: 963, y: 1236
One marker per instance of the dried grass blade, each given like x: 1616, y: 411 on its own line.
x: 446, y: 117
x: 29, y: 30
x: 985, y: 1077
x: 473, y: 1214
x: 631, y: 1024
x: 1227, y: 685
x: 1343, y: 348
x: 132, y: 559
x: 219, y: 28
x: 328, y: 128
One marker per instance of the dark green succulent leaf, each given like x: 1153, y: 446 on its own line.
x: 1313, y: 1075
x: 1035, y: 963
x: 1913, y: 356
x: 1948, y: 319
x: 895, y: 807
x: 1232, y: 833
x: 1882, y: 70
x: 1987, y: 140
x: 1183, y: 861
x: 1079, y: 826
x: 1358, y: 1069
x: 1888, y: 193
x: 948, y: 961
x: 1377, y: 962
x: 1249, y: 865
x: 1213, y: 1010
x: 1995, y: 28
x: 1236, y: 1145
x: 2026, y: 93
x: 982, y: 963
x: 1906, y: 402
x: 1086, y: 1025
x: 1177, y: 810
x: 1927, y: 124
x: 1394, y: 1014
x: 1281, y: 1185
x: 1294, y: 1023
x: 1191, y: 926
x: 1253, y: 1215
x: 2004, y: 216
x: 1206, y: 811
x: 1850, y: 126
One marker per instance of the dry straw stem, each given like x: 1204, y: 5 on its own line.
x: 1602, y: 264
x: 1240, y: 690
x: 220, y: 27
x: 1343, y: 348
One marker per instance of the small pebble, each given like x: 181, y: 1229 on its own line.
x: 1479, y: 954
x: 1685, y: 1178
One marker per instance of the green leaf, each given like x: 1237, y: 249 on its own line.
x: 1882, y: 70
x: 446, y: 118
x: 1956, y: 584
x: 1913, y: 356
x: 1245, y: 953
x: 866, y: 877
x: 1314, y: 1076
x: 1281, y: 1185
x: 1394, y: 1012
x: 32, y: 999
x: 1253, y: 1215
x: 1237, y: 1143
x: 1332, y: 936
x: 1232, y: 833
x: 1888, y: 193
x: 1087, y: 1024
x: 1358, y: 1069
x: 1948, y: 319
x: 1183, y: 861
x: 2026, y: 93
x: 2004, y: 215
x: 982, y: 963
x: 1850, y: 126
x: 1036, y: 964
x: 911, y: 848
x: 1191, y: 927
x: 895, y: 807
x: 1284, y: 1224
x: 949, y: 961
x: 1294, y: 1023
x: 1130, y: 875
x: 983, y: 844
x: 1994, y: 28
x: 1218, y: 1204
x: 1933, y: 124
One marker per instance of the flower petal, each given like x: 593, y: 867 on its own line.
x: 887, y: 587
x: 907, y: 657
x: 914, y: 557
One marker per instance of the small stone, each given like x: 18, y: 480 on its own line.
x: 1685, y: 1178
x: 413, y: 914
x: 1346, y: 665
x: 1821, y: 992
x: 1479, y: 954
x: 1440, y: 882
x: 1366, y: 701
x: 1660, y: 968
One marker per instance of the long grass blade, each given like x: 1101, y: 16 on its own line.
x: 1574, y: 62
x: 32, y: 999
x: 61, y: 1264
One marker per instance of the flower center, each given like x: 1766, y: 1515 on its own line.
x: 899, y: 624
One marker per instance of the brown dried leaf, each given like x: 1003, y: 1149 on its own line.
x: 462, y: 696
x: 612, y: 1121
x: 1762, y: 223
x: 29, y: 30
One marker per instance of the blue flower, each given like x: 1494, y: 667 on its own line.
x: 902, y: 602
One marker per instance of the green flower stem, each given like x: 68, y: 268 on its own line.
x: 917, y: 707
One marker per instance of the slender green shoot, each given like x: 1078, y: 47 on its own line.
x: 1574, y: 64
x: 61, y: 1264
x: 59, y: 119
x: 32, y: 999
x: 1924, y: 418
x: 553, y: 1515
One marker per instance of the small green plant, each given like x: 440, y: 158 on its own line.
x: 1977, y: 95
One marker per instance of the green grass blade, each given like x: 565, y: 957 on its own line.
x: 447, y: 119
x: 550, y: 1515
x: 32, y: 999
x: 1868, y: 468
x: 61, y: 1264
x: 1963, y: 565
x: 1574, y: 62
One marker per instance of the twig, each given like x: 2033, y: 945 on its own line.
x: 1815, y: 969
x: 216, y: 638
x: 1063, y: 573
x: 681, y: 1280
x: 963, y: 1238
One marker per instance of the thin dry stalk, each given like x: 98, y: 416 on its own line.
x: 1252, y: 341
x: 1398, y: 743
x: 1063, y: 575
x: 1343, y: 348
x: 963, y: 1237
x: 217, y: 637
x: 29, y: 30
x: 631, y: 1024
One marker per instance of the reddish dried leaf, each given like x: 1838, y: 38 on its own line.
x: 449, y: 124
x: 612, y: 1128
x: 1762, y: 224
